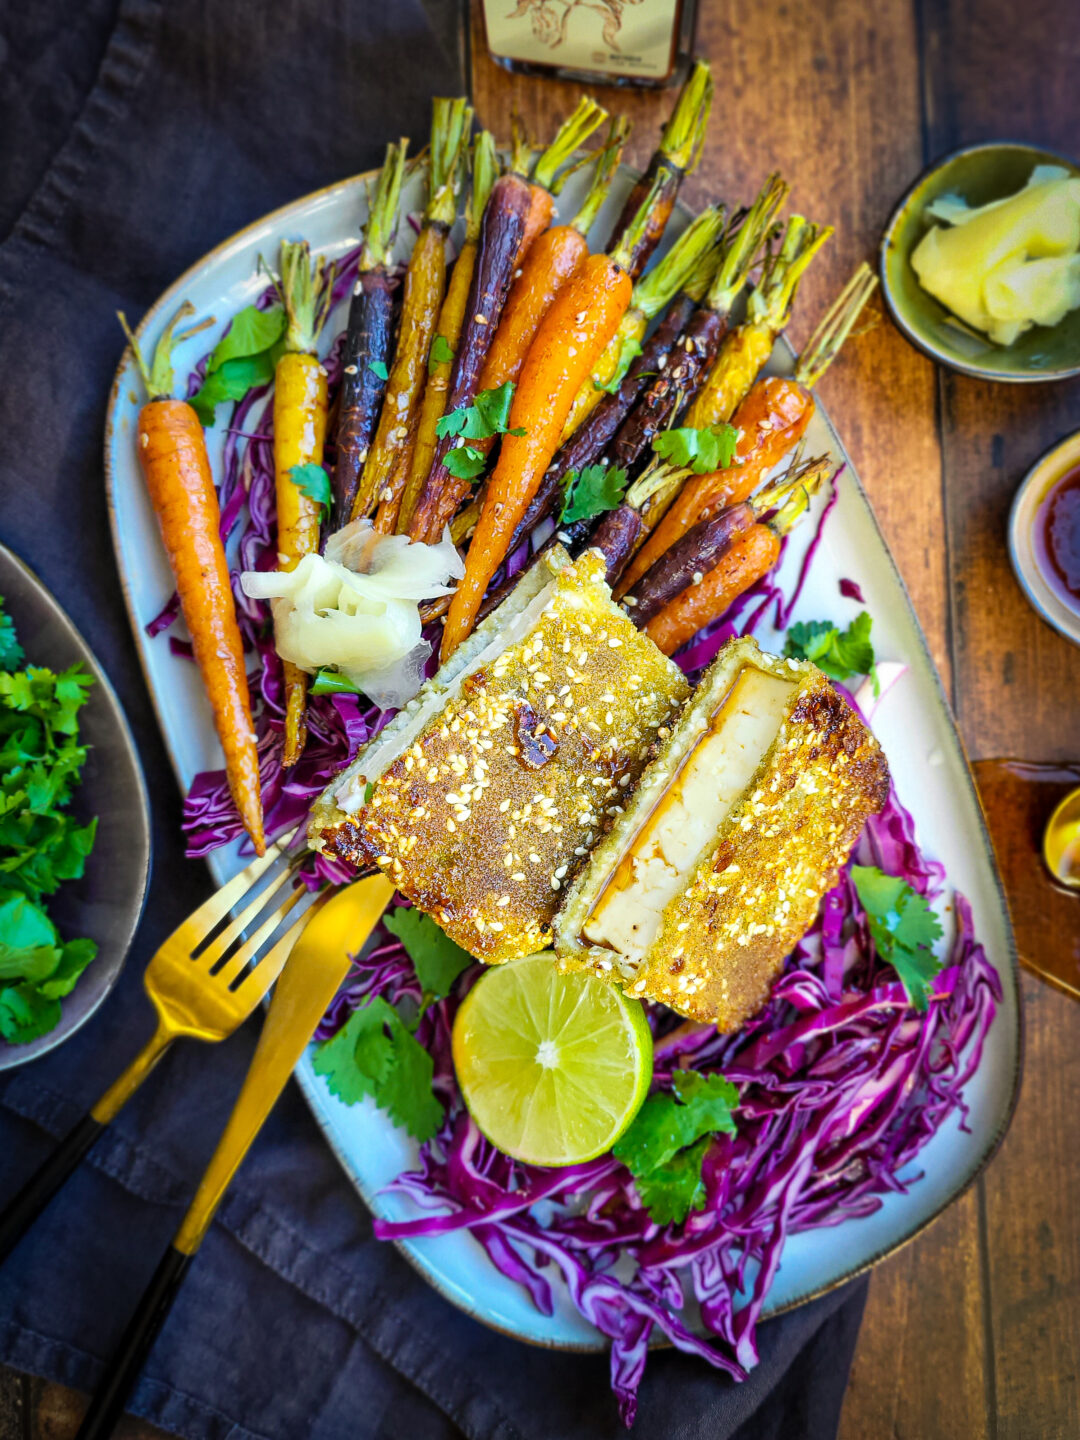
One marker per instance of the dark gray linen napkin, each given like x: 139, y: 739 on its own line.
x: 136, y: 136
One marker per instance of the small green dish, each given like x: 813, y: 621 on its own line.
x: 980, y: 173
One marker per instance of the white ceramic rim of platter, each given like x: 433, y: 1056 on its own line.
x: 1033, y: 490
x: 511, y: 1312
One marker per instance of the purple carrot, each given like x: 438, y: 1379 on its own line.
x: 500, y: 236
x: 677, y: 154
x: 705, y: 544
x: 369, y: 338
x: 681, y: 378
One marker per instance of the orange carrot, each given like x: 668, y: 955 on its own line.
x: 176, y: 467
x: 570, y: 340
x: 537, y: 219
x: 555, y: 257
x: 751, y: 557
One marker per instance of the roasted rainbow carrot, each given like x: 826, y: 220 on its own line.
x: 652, y: 293
x: 485, y: 169
x: 501, y: 236
x: 176, y: 467
x: 554, y: 257
x: 676, y: 156
x: 752, y: 555
x: 300, y: 407
x: 425, y: 285
x: 572, y: 335
x: 705, y: 544
x: 770, y: 421
x: 679, y: 381
x: 369, y: 338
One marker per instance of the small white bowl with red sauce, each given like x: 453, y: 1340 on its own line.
x: 1044, y: 537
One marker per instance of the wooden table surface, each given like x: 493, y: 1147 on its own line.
x: 973, y: 1330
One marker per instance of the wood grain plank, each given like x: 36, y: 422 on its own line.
x: 917, y: 1312
x: 994, y: 68
x: 57, y: 1413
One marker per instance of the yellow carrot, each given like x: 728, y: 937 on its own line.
x: 300, y: 409
x: 448, y: 330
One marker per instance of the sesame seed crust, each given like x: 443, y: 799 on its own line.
x: 756, y: 888
x: 486, y: 816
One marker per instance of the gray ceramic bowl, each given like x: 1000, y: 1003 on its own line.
x: 107, y: 902
x: 980, y: 173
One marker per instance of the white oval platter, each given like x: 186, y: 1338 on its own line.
x: 913, y: 723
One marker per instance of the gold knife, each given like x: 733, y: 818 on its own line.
x: 315, y: 969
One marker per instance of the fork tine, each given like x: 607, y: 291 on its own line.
x: 255, y: 903
x: 268, y: 966
x: 217, y: 906
x: 236, y: 963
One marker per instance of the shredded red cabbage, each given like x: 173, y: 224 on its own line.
x: 841, y: 1082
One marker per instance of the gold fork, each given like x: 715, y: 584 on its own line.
x: 204, y: 981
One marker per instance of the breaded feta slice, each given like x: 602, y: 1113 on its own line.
x: 736, y: 831
x: 483, y: 796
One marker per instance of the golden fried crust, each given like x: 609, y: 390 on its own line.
x: 483, y: 820
x: 724, y: 940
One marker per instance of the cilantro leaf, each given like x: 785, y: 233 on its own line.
x: 488, y: 415
x: 839, y: 654
x: 11, y: 652
x: 406, y: 1094
x: 666, y: 1143
x: 903, y: 928
x: 672, y: 1191
x: 438, y: 960
x: 313, y: 481
x: 378, y: 368
x: 251, y: 333
x: 75, y: 956
x: 465, y: 462
x: 701, y: 451
x: 441, y: 353
x: 26, y: 1015
x: 231, y: 381
x: 375, y: 1054
x: 592, y: 491
x: 369, y: 791
x: 357, y: 1059
x: 628, y: 353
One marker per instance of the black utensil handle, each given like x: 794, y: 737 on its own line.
x: 21, y: 1212
x: 125, y: 1365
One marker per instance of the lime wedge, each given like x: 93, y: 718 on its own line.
x: 553, y: 1067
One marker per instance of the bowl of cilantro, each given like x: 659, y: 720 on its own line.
x: 74, y: 824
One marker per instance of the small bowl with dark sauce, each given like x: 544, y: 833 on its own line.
x: 1044, y: 537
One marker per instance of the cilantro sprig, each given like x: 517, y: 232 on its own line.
x: 666, y: 1143
x: 41, y: 843
x: 592, y: 491
x: 441, y: 353
x: 903, y: 928
x: 712, y: 447
x: 376, y: 1052
x: 487, y: 416
x: 840, y: 654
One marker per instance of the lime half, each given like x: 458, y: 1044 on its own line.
x: 553, y: 1067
